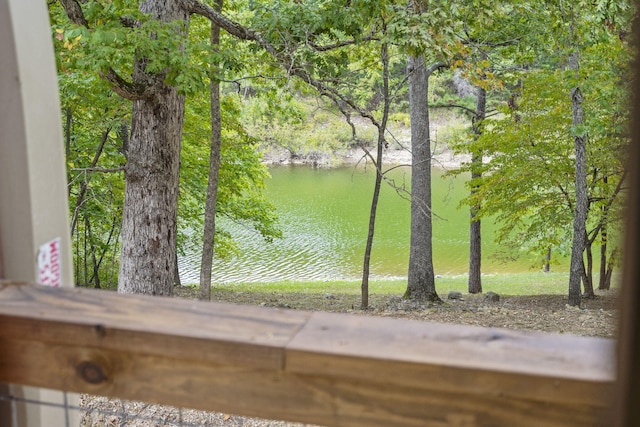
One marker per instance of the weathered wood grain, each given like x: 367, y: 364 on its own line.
x: 153, y: 325
x: 327, y: 369
x: 491, y: 376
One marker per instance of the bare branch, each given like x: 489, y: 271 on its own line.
x: 101, y: 170
x: 233, y: 28
x: 462, y: 107
x: 436, y: 66
x: 324, y: 48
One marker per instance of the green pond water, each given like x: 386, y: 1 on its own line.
x: 324, y: 214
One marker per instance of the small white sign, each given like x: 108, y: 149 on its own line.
x: 50, y: 264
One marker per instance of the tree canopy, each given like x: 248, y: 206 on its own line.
x: 127, y: 66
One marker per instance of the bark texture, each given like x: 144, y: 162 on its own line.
x: 152, y: 174
x: 209, y: 231
x: 421, y: 280
x: 582, y: 203
x: 475, y: 234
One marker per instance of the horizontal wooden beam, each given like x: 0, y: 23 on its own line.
x: 327, y: 369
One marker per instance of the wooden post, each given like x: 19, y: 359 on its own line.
x: 33, y: 200
x: 627, y: 406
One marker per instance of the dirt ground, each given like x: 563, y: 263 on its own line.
x: 547, y: 313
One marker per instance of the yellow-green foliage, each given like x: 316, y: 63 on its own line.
x: 300, y: 125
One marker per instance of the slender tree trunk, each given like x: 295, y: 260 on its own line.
x: 475, y: 237
x: 606, y: 285
x: 366, y: 266
x: 421, y: 280
x: 603, y: 249
x: 95, y: 277
x: 67, y: 144
x: 587, y: 280
x: 98, y: 262
x: 149, y: 222
x: 382, y: 128
x: 176, y: 272
x: 603, y: 261
x: 67, y: 131
x: 582, y: 202
x: 547, y: 261
x: 85, y: 182
x: 84, y: 257
x: 214, y: 168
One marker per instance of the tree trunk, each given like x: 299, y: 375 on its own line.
x: 85, y: 182
x: 382, y: 128
x: 98, y: 262
x: 603, y: 253
x: 151, y: 196
x: 421, y: 281
x: 151, y: 175
x: 95, y: 277
x: 176, y: 273
x: 67, y: 146
x: 606, y: 284
x: 475, y: 237
x: 214, y: 167
x: 582, y: 203
x: 587, y: 280
x: 366, y: 266
x: 547, y: 261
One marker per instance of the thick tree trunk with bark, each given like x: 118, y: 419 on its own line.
x: 152, y: 173
x: 475, y: 236
x: 151, y: 196
x: 421, y: 280
x: 214, y: 168
x: 582, y: 203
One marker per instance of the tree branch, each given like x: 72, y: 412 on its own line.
x: 119, y: 85
x: 125, y: 89
x: 462, y: 107
x: 324, y: 48
x: 84, y: 185
x: 237, y: 30
x: 74, y: 12
x: 101, y: 170
x: 434, y: 67
x: 606, y: 208
x: 198, y: 8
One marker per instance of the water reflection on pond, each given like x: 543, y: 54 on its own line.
x: 324, y: 215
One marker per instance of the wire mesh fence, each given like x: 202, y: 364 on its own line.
x: 71, y: 410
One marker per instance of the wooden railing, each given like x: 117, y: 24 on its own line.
x: 328, y: 369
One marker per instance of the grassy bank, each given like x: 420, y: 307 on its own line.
x: 534, y: 283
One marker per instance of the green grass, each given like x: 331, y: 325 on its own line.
x: 504, y: 284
